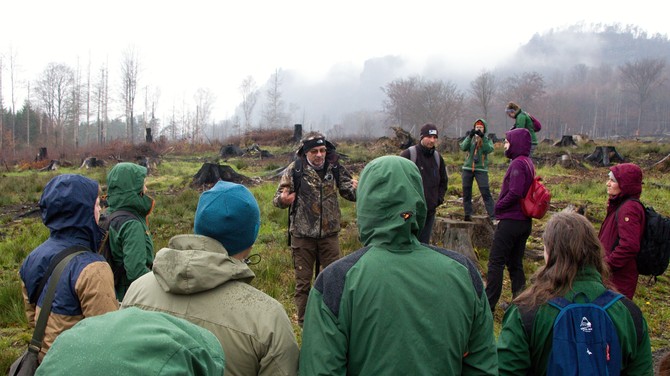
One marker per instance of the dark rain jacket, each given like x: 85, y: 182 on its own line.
x: 86, y: 286
x: 518, y: 177
x: 397, y: 307
x: 131, y: 245
x: 622, y: 229
x: 434, y: 176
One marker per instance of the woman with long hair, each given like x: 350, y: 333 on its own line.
x: 574, y: 265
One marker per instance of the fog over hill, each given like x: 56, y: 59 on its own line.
x: 349, y: 91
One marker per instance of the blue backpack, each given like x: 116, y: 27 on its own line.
x: 585, y: 341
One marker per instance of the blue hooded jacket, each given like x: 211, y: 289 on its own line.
x: 86, y: 287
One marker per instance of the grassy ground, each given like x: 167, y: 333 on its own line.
x: 579, y: 184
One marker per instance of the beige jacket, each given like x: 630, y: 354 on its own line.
x: 195, y: 279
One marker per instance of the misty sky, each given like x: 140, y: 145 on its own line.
x: 184, y: 46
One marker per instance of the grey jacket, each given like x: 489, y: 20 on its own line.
x: 195, y: 279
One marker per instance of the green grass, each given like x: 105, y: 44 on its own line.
x: 176, y: 202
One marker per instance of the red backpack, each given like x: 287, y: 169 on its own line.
x: 538, y: 197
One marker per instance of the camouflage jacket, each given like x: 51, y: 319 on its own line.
x: 316, y: 210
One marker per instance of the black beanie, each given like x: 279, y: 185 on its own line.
x: 428, y: 130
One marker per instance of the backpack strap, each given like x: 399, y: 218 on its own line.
x: 636, y: 314
x: 412, y: 153
x: 52, y: 265
x: 55, y: 273
x: 528, y: 319
x: 606, y: 299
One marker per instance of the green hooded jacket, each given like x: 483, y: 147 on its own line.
x: 132, y: 242
x: 134, y: 342
x: 481, y: 151
x: 522, y: 120
x: 397, y: 307
x: 520, y: 355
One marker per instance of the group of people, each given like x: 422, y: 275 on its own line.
x: 397, y: 306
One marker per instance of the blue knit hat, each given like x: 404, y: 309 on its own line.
x: 228, y: 213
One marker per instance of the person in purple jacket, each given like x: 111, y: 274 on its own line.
x: 509, y: 239
x: 623, y: 227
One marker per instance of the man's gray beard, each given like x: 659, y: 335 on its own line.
x: 316, y: 167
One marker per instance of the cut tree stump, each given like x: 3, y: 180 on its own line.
x: 455, y: 235
x: 211, y: 173
x: 566, y: 140
x: 605, y: 155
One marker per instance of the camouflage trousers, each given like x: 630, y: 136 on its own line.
x: 306, y: 252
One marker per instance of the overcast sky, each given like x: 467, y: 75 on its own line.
x: 186, y: 45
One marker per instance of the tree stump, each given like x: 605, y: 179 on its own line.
x: 455, y: 236
x: 482, y: 232
x: 297, y: 132
x: 42, y: 154
x: 92, y: 162
x: 566, y: 140
x: 605, y: 155
x: 211, y: 173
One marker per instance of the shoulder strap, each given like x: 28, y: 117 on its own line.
x: 124, y: 216
x: 436, y: 154
x: 40, y: 325
x: 412, y: 153
x: 527, y: 319
x: 297, y: 174
x: 636, y: 314
x: 52, y: 265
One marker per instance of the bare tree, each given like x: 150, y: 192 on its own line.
x: 12, y: 81
x: 75, y: 106
x: 249, y: 98
x: 101, y: 88
x: 54, y: 89
x: 415, y: 101
x: 274, y: 115
x: 129, y: 80
x: 643, y: 77
x: 523, y: 89
x: 483, y: 90
x: 204, y: 99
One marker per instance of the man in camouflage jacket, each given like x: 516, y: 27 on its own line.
x: 314, y: 210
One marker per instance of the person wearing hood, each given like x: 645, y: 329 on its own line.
x: 70, y: 208
x: 514, y: 227
x: 204, y: 279
x: 476, y: 166
x: 623, y: 227
x: 397, y: 306
x: 309, y: 187
x: 522, y: 120
x: 131, y: 244
x: 433, y: 174
x: 574, y: 270
x: 135, y: 342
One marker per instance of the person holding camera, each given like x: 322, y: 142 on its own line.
x: 475, y: 167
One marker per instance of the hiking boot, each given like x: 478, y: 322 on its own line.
x: 468, y: 218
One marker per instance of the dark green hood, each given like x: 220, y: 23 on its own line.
x: 125, y: 185
x: 391, y: 207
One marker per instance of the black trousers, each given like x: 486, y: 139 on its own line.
x: 509, y: 245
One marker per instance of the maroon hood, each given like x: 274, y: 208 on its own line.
x: 629, y: 177
x: 519, y: 143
